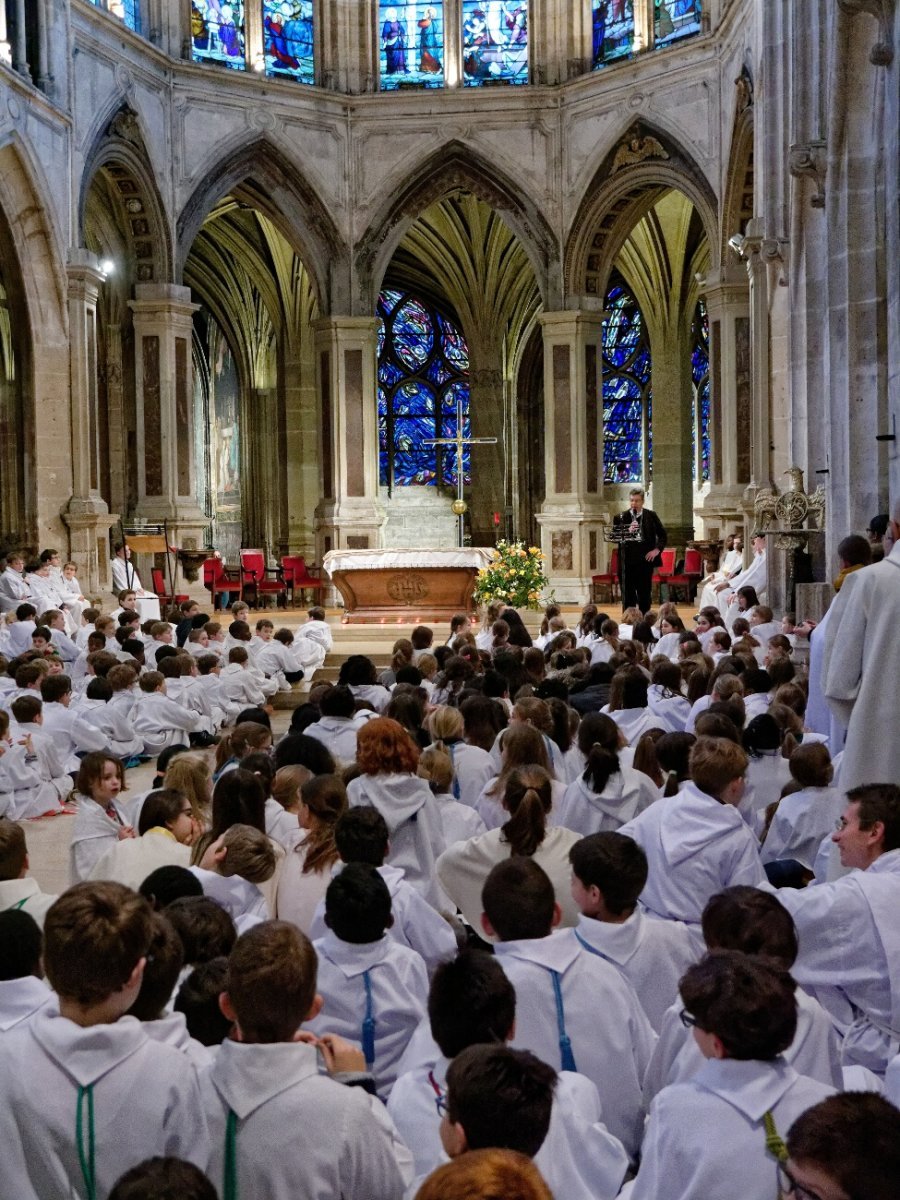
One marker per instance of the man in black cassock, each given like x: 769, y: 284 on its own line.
x: 637, y: 558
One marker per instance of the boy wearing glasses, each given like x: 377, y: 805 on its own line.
x: 845, y: 1148
x: 727, y: 1122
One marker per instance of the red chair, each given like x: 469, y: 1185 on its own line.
x: 159, y: 586
x: 662, y: 576
x: 257, y: 580
x: 689, y: 576
x: 299, y: 577
x: 608, y: 582
x: 218, y: 582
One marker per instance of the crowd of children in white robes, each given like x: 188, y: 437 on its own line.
x: 580, y: 917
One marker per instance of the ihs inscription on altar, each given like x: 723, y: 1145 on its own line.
x: 408, y: 588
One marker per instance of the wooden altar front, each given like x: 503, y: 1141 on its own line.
x: 403, y: 586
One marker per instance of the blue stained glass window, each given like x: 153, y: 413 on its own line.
x: 128, y: 11
x: 676, y: 19
x: 494, y: 41
x: 217, y: 32
x: 613, y: 30
x: 700, y: 379
x: 627, y: 433
x: 412, y: 44
x: 288, y: 39
x: 423, y: 373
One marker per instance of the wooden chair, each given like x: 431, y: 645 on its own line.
x: 158, y: 581
x: 257, y: 580
x: 662, y: 575
x: 300, y: 577
x: 608, y: 582
x: 219, y: 582
x: 688, y: 577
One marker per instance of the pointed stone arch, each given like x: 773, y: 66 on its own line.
x: 452, y: 169
x: 642, y: 165
x: 33, y: 264
x: 260, y: 175
x: 120, y: 156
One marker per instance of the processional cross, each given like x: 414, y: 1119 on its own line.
x: 460, y: 442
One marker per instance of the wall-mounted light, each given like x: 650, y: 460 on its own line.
x: 108, y: 267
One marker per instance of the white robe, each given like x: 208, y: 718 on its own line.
x: 634, y: 722
x: 13, y: 590
x: 161, y: 722
x: 171, y: 1030
x: 580, y: 1159
x: 819, y: 717
x: 308, y: 1136
x: 463, y: 869
x: 611, y: 1039
x: 240, y: 687
x: 710, y: 1130
x: 472, y: 769
x: 338, y: 734
x: 146, y: 1101
x: 627, y: 793
x: 399, y: 986
x: 25, y: 894
x: 414, y: 824
x: 815, y: 1050
x: 21, y: 999
x: 114, y: 724
x: 416, y: 924
x: 754, y: 575
x: 23, y: 790
x: 850, y: 954
x: 92, y: 835
x: 861, y: 670
x: 800, y: 823
x: 674, y: 710
x: 651, y: 954
x: 695, y: 847
x: 130, y: 861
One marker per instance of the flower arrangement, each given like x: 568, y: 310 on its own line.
x: 515, y: 576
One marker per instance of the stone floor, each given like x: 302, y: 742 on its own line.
x: 48, y: 837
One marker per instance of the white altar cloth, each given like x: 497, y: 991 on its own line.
x: 400, y: 559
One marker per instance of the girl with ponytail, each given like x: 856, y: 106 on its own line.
x: 526, y: 832
x: 610, y: 792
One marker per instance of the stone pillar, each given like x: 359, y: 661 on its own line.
x: 19, y: 53
x: 673, y: 404
x: 303, y: 457
x: 760, y: 410
x: 728, y: 306
x: 488, y: 417
x: 573, y: 515
x: 86, y: 514
x: 167, y: 491
x: 349, y: 516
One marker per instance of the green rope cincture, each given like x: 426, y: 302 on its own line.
x: 86, y: 1154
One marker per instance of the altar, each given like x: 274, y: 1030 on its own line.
x: 382, y: 586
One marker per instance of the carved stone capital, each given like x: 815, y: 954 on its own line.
x: 882, y: 53
x: 809, y: 160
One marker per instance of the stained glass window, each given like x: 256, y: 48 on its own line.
x: 217, y: 32
x: 494, y: 41
x: 700, y: 379
x: 423, y: 378
x: 412, y: 45
x: 128, y: 11
x: 675, y: 19
x: 627, y: 395
x: 613, y: 30
x: 288, y: 39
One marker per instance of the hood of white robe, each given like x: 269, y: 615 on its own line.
x: 352, y: 958
x: 86, y: 1055
x: 616, y: 942
x: 692, y: 821
x: 556, y: 952
x: 750, y: 1086
x: 21, y: 999
x: 397, y: 797
x: 236, y: 895
x: 620, y: 798
x: 248, y: 1076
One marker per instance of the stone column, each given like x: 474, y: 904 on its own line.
x: 86, y: 514
x: 161, y: 314
x: 488, y: 418
x: 728, y: 305
x: 19, y: 53
x: 573, y: 515
x: 760, y: 410
x: 349, y: 516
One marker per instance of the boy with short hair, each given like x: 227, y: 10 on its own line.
x: 23, y: 790
x: 28, y: 714
x: 22, y: 628
x: 23, y: 992
x: 471, y: 1003
x: 847, y: 1145
x: 361, y: 836
x: 231, y: 870
x: 723, y: 1123
x: 696, y: 842
x: 375, y: 990
x: 158, y: 720
x: 575, y: 1010
x: 341, y: 1142
x: 317, y: 629
x: 161, y: 1178
x: 17, y: 889
x: 73, y: 735
x: 84, y: 1093
x: 609, y: 873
